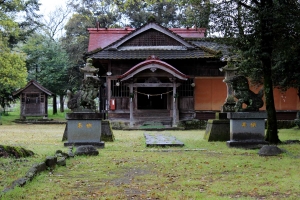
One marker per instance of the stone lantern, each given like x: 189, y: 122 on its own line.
x: 230, y: 70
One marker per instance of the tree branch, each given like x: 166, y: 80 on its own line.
x: 248, y: 6
x: 256, y: 2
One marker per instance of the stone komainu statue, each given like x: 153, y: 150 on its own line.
x: 242, y: 92
x: 84, y: 98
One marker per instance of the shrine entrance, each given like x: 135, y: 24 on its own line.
x: 152, y: 98
x: 153, y: 90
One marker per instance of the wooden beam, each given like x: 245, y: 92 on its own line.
x: 155, y: 84
x: 131, y: 106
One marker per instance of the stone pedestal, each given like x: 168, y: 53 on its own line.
x: 247, y: 129
x: 84, y: 129
x: 217, y: 129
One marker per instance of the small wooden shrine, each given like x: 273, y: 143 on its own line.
x: 34, y: 100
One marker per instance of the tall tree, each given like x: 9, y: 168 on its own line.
x: 13, y: 74
x: 86, y: 14
x: 257, y: 30
x: 167, y: 12
x: 54, y: 22
x: 48, y: 63
x: 196, y: 13
x: 17, y: 21
x: 106, y: 13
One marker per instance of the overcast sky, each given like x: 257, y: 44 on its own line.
x: 50, y: 5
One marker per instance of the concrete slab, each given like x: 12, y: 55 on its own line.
x: 162, y: 140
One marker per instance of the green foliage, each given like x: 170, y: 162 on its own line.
x: 16, y: 152
x: 152, y: 125
x: 105, y: 12
x: 297, y: 122
x: 18, y: 20
x: 48, y: 63
x: 196, y: 13
x: 193, y: 124
x: 13, y: 74
x: 286, y: 124
x: 76, y: 40
x: 14, y: 28
x: 166, y: 12
x: 118, y: 125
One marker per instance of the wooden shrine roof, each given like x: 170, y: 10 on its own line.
x: 36, y: 84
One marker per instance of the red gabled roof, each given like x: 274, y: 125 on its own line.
x: 103, y: 37
x: 36, y: 84
x: 147, y: 64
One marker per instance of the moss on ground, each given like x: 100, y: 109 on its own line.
x: 17, y: 152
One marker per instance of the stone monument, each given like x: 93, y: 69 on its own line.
x: 84, y: 122
x: 247, y: 125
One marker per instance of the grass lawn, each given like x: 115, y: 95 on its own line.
x: 127, y: 169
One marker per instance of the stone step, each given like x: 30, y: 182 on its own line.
x: 153, y: 115
x: 163, y: 121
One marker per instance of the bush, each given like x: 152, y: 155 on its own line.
x: 285, y: 124
x: 193, y: 124
x: 297, y: 122
x: 118, y: 125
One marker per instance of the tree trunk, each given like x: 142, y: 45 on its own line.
x: 272, y: 132
x: 54, y: 105
x: 61, y: 101
x: 266, y: 43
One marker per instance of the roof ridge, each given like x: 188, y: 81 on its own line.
x: 209, y: 50
x: 132, y: 32
x: 35, y: 83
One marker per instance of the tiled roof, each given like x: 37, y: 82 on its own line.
x: 162, y: 54
x: 148, y: 26
x: 210, y: 45
x: 192, y: 48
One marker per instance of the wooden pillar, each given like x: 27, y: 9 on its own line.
x: 45, y: 104
x: 131, y: 104
x: 108, y: 82
x: 174, y: 123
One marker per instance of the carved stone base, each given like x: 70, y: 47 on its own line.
x: 84, y: 129
x: 247, y: 144
x: 95, y: 144
x: 247, y: 129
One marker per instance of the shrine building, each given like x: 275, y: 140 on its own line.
x: 153, y: 73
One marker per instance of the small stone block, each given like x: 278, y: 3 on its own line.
x: 40, y: 167
x: 61, y: 162
x: 217, y: 130
x: 20, y: 182
x: 51, y: 161
x: 269, y: 150
x: 86, y: 150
